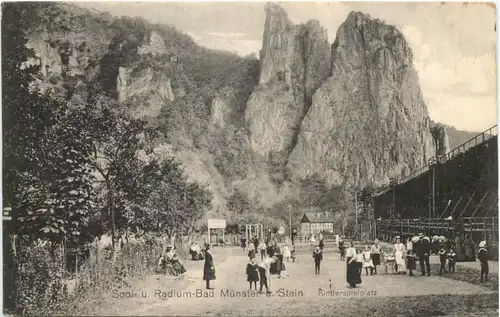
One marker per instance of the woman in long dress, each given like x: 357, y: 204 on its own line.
x: 286, y: 253
x: 353, y: 276
x: 208, y: 267
x: 375, y: 255
x: 176, y: 264
x: 400, y: 254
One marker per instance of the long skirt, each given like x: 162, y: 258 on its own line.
x: 375, y: 258
x: 400, y: 261
x: 353, y: 274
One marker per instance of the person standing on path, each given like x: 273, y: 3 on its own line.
x: 367, y: 260
x: 208, y: 267
x: 375, y: 255
x: 252, y: 273
x: 400, y: 253
x: 244, y: 243
x: 482, y: 255
x: 353, y: 276
x: 321, y: 242
x: 262, y: 248
x: 318, y: 257
x: 469, y: 249
x: 256, y: 244
x: 342, y: 249
x: 424, y: 250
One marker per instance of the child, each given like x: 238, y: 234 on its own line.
x: 292, y: 254
x: 452, y: 259
x: 482, y: 255
x: 359, y: 260
x: 252, y: 273
x: 318, y: 257
x: 251, y: 254
x: 286, y: 253
x: 390, y: 261
x: 342, y: 248
x: 367, y: 260
x: 442, y: 259
x: 264, y: 274
x: 262, y: 248
x: 411, y: 262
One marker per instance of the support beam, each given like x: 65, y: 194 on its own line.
x: 465, y: 208
x: 479, y: 205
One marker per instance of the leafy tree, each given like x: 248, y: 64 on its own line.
x: 46, y: 146
x: 239, y: 203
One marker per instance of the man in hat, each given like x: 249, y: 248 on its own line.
x: 423, y: 247
x: 483, y: 260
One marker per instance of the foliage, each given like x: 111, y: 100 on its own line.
x: 315, y: 192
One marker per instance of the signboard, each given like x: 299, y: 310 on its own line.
x: 216, y: 224
x: 281, y: 230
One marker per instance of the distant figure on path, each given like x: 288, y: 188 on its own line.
x: 482, y: 255
x: 251, y: 254
x: 262, y: 248
x: 353, y: 276
x: 411, y: 262
x: 469, y: 249
x: 400, y: 254
x: 321, y: 242
x: 244, y: 243
x: 452, y: 259
x: 318, y: 257
x: 264, y: 274
x: 256, y: 244
x: 367, y: 260
x: 209, y: 267
x: 375, y: 255
x: 286, y: 253
x: 342, y: 249
x: 424, y: 250
x: 443, y: 256
x: 252, y: 273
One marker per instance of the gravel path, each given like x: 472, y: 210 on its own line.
x: 300, y: 292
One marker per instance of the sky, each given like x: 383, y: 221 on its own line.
x: 454, y: 44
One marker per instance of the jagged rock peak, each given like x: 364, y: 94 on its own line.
x: 276, y: 15
x: 360, y: 29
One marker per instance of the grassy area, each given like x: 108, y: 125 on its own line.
x: 469, y: 275
x: 416, y: 306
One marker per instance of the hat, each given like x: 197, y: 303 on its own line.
x: 398, y: 237
x: 427, y: 238
x: 377, y: 241
x: 442, y: 238
x: 435, y: 238
x: 169, y: 246
x: 415, y: 239
x: 420, y: 234
x: 482, y: 244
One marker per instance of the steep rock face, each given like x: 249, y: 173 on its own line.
x: 368, y: 121
x: 441, y: 139
x: 156, y: 45
x: 223, y: 108
x: 294, y: 63
x: 154, y: 88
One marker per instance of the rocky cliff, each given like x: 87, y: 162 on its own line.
x: 366, y: 122
x: 350, y: 113
x: 294, y: 61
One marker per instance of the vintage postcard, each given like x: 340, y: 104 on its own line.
x: 249, y: 159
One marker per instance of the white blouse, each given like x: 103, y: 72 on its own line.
x: 350, y: 252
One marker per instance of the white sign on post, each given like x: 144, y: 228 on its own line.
x: 216, y: 224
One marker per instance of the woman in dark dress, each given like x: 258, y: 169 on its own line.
x: 208, y: 268
x: 353, y: 274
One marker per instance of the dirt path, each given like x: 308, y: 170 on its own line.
x: 299, y: 292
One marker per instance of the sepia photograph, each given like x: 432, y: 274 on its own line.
x: 249, y: 158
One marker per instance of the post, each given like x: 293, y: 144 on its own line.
x: 432, y: 211
x: 290, y: 219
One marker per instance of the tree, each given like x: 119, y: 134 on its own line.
x: 46, y: 147
x: 239, y: 203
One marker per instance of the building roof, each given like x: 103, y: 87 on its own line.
x: 317, y: 217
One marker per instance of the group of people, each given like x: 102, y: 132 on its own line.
x: 272, y: 262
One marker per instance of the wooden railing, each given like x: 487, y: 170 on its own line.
x: 462, y: 148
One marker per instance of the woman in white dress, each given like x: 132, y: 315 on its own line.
x: 400, y: 253
x: 286, y: 253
